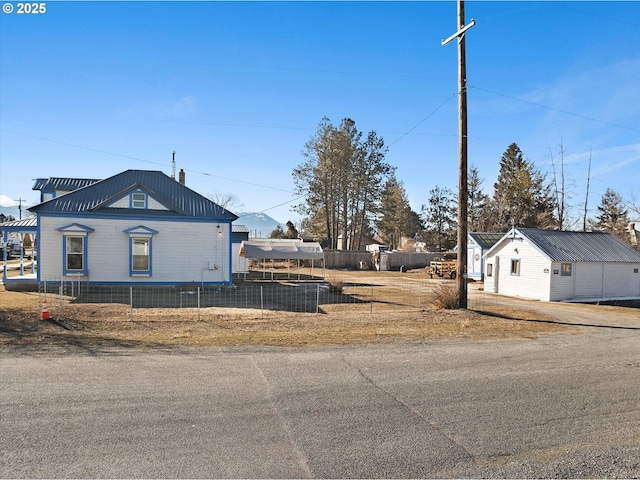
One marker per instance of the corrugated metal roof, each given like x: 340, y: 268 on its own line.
x: 30, y: 222
x: 281, y: 250
x: 97, y: 197
x: 62, y: 184
x: 563, y: 246
x: 486, y: 240
x: 239, y: 228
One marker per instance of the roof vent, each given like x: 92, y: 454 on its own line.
x: 181, y: 176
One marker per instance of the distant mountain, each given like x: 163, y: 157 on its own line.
x: 14, y: 212
x: 260, y: 225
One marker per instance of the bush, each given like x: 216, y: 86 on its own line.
x: 444, y: 297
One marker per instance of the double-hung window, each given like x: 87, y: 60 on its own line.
x: 140, y: 250
x: 75, y: 238
x: 74, y: 253
x: 140, y: 259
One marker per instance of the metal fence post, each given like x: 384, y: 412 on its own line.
x: 317, y: 297
x: 131, y: 303
x: 371, y: 308
x: 261, y: 303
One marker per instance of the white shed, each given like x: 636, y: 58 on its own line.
x: 551, y: 265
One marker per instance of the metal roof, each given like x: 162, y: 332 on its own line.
x: 25, y: 223
x: 563, y: 246
x: 62, y: 184
x: 96, y: 198
x: 281, y: 250
x: 239, y: 228
x: 486, y: 240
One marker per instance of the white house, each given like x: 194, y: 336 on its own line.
x: 560, y: 266
x: 138, y: 227
x: 479, y: 243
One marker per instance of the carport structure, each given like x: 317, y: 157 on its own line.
x: 19, y: 229
x: 283, y: 250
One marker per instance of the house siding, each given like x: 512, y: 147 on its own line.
x: 622, y: 280
x: 589, y: 280
x: 125, y: 202
x: 533, y: 280
x: 474, y: 261
x: 182, y: 252
x: 562, y: 287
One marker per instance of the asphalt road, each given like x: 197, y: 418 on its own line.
x: 558, y: 406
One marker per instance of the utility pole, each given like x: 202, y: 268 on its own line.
x: 20, y: 201
x: 461, y: 270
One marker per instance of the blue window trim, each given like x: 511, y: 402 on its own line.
x: 83, y: 271
x: 75, y: 230
x: 141, y: 273
x: 136, y: 233
x: 132, y: 201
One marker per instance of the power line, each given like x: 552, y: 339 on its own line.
x: 129, y: 157
x: 546, y: 107
x: 423, y: 120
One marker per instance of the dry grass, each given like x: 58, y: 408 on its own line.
x: 90, y: 326
x: 444, y: 296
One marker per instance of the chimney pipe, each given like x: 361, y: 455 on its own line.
x: 181, y: 176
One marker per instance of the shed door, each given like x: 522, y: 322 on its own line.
x: 589, y: 280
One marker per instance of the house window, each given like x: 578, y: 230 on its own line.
x: 489, y: 269
x: 74, y: 248
x: 565, y: 269
x: 515, y: 266
x: 140, y: 256
x: 140, y: 250
x: 138, y: 200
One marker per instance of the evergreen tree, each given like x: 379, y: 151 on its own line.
x: 397, y: 219
x: 478, y: 203
x: 612, y: 215
x: 521, y: 197
x: 277, y: 232
x: 341, y: 181
x: 440, y: 219
x: 292, y: 231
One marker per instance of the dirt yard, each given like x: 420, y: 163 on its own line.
x: 100, y: 326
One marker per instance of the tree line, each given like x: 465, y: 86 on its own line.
x: 350, y: 192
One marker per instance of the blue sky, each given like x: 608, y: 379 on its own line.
x: 89, y: 89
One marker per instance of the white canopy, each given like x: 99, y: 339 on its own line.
x: 281, y: 250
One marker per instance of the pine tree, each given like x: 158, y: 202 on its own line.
x: 478, y: 203
x: 397, y: 219
x: 521, y: 197
x: 612, y: 215
x: 440, y: 219
x: 341, y: 181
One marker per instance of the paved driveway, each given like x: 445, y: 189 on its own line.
x: 558, y: 406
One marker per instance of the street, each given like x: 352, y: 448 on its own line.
x: 557, y: 406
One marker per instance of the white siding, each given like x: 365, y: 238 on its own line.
x: 474, y: 261
x: 621, y: 280
x: 589, y: 278
x: 534, y: 279
x: 181, y: 251
x: 125, y: 202
x: 562, y: 287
